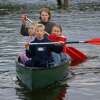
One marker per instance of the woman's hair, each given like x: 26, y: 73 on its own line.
x: 58, y: 26
x: 47, y: 10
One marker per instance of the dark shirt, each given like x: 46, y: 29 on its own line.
x: 24, y: 30
x: 48, y: 28
x: 41, y: 54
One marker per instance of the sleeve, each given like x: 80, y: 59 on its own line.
x: 56, y: 38
x: 30, y: 52
x: 52, y: 37
x: 56, y: 48
x: 24, y: 30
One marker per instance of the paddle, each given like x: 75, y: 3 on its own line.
x: 29, y: 20
x: 77, y: 57
x: 95, y: 41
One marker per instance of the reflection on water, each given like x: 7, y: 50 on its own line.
x: 85, y: 86
x: 53, y: 93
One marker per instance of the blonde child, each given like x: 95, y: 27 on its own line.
x: 31, y: 30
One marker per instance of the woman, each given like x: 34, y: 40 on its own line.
x: 45, y: 17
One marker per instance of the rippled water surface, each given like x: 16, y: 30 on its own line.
x: 84, y: 85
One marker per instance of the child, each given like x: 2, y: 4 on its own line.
x: 41, y: 54
x: 22, y: 56
x: 57, y: 36
x: 31, y: 31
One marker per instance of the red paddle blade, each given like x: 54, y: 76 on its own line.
x: 95, y: 41
x: 76, y: 56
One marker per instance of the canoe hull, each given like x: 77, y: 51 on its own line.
x: 33, y: 77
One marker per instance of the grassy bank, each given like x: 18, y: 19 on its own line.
x: 9, y: 8
x: 16, y: 8
x: 13, y: 8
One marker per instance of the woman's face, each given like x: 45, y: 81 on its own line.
x: 56, y: 31
x: 44, y: 16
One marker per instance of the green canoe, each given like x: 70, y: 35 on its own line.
x: 34, y: 77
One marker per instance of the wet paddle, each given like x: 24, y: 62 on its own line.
x: 94, y: 41
x: 77, y: 57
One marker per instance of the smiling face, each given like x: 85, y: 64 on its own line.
x: 56, y: 30
x: 39, y: 31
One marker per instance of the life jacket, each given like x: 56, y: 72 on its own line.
x: 55, y: 38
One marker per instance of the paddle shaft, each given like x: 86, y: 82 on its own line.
x: 29, y: 20
x: 72, y: 42
x: 44, y: 43
x: 95, y: 41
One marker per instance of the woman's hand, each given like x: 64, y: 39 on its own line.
x: 23, y: 19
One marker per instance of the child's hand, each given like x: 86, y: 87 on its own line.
x: 61, y: 42
x: 26, y: 45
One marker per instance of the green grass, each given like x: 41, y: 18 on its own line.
x: 9, y: 8
x: 16, y: 8
x: 12, y: 8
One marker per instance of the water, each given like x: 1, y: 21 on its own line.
x: 84, y: 85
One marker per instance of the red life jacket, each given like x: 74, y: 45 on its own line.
x: 56, y: 38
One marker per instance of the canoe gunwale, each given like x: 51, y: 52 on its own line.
x: 36, y: 77
x: 40, y: 68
